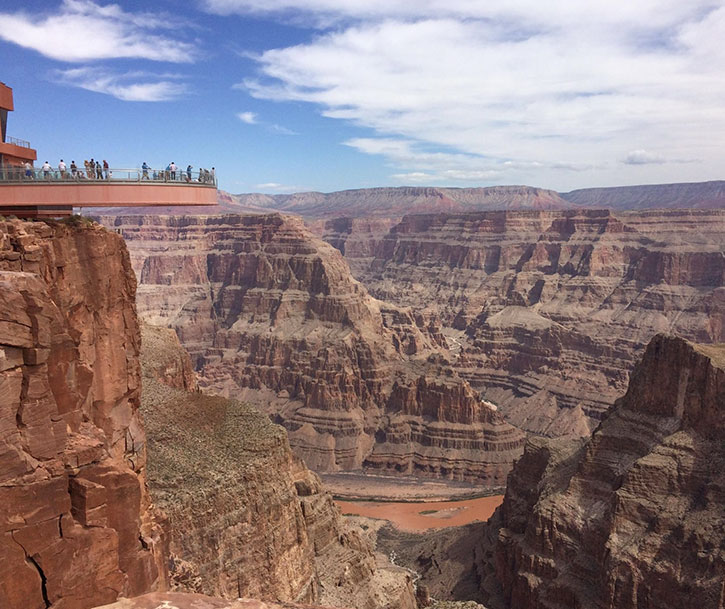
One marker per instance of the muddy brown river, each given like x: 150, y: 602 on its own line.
x: 422, y: 516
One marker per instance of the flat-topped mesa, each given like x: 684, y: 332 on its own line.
x: 684, y: 195
x: 246, y: 517
x: 387, y: 202
x: 633, y: 517
x: 76, y: 525
x: 272, y: 314
x: 548, y: 310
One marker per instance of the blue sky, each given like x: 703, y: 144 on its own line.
x: 296, y: 95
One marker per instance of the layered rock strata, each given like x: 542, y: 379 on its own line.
x: 634, y: 516
x: 386, y: 202
x: 684, y: 195
x: 180, y: 600
x: 272, y: 315
x: 547, y: 311
x: 76, y: 525
x: 247, y: 518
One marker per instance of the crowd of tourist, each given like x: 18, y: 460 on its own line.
x: 99, y: 170
x: 172, y: 173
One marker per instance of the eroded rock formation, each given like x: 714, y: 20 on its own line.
x: 247, y: 518
x: 634, y: 516
x: 548, y: 310
x: 180, y: 600
x: 271, y: 314
x: 76, y: 526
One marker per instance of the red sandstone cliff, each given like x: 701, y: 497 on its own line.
x: 548, y: 310
x: 76, y: 527
x: 272, y: 315
x: 247, y: 518
x: 633, y: 517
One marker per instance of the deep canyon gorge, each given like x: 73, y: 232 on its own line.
x: 169, y: 385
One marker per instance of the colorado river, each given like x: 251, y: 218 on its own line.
x: 422, y: 516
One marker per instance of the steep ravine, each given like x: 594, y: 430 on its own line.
x: 271, y: 314
x: 547, y: 311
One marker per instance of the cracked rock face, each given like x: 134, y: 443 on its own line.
x: 76, y: 528
x: 634, y: 517
x: 271, y: 315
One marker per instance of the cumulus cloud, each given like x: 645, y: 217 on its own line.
x: 520, y: 88
x: 247, y: 117
x: 128, y: 86
x: 85, y: 31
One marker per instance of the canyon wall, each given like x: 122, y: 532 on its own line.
x: 545, y: 312
x: 683, y: 195
x: 631, y: 518
x: 271, y: 314
x: 76, y: 525
x: 386, y: 202
x: 247, y: 518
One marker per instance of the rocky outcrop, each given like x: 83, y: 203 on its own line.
x: 547, y: 311
x: 272, y: 315
x: 76, y: 525
x: 634, y: 516
x: 247, y: 518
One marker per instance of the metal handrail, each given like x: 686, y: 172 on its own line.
x: 92, y: 176
x: 17, y: 142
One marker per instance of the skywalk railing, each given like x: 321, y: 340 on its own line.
x: 201, y: 177
x: 17, y: 142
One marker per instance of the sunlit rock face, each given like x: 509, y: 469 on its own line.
x: 180, y: 600
x: 548, y: 311
x: 271, y: 314
x: 76, y: 527
x: 246, y: 517
x: 632, y: 517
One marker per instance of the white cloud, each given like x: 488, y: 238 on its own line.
x: 415, y: 177
x: 282, y: 130
x: 558, y: 13
x: 85, y: 31
x: 521, y: 88
x: 643, y: 157
x: 129, y: 86
x: 247, y: 117
x: 275, y: 187
x: 251, y: 118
